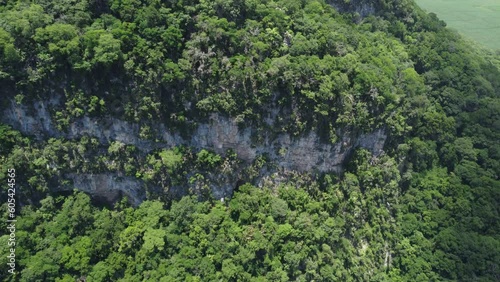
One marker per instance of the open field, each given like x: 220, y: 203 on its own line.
x: 477, y: 19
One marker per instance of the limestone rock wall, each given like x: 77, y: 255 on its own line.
x: 108, y: 186
x: 364, y: 8
x: 219, y: 133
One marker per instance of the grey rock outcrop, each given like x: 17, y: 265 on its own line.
x: 108, y: 186
x: 305, y: 153
x: 363, y: 7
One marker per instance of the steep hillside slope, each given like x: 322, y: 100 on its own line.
x: 271, y: 140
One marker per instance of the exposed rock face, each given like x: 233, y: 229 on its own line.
x: 39, y: 123
x: 108, y: 186
x: 302, y: 154
x: 218, y: 134
x: 363, y: 7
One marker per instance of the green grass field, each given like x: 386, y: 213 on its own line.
x: 476, y: 19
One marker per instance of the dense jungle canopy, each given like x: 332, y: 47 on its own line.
x: 426, y: 209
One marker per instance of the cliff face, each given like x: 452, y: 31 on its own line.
x: 109, y: 186
x: 363, y: 7
x: 305, y: 153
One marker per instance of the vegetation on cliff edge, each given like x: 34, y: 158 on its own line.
x: 426, y: 210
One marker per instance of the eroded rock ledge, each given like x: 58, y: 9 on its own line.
x: 363, y: 7
x: 218, y: 134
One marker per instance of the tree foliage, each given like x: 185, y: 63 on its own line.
x: 427, y: 209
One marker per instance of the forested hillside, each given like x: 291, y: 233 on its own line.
x: 350, y: 141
